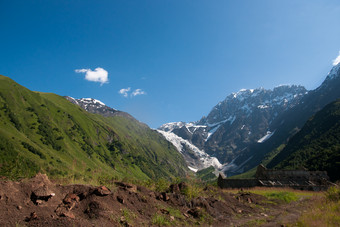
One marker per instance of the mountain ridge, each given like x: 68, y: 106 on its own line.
x: 241, y: 136
x: 48, y: 133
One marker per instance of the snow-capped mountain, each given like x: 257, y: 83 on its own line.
x: 97, y: 107
x: 241, y: 119
x: 93, y: 106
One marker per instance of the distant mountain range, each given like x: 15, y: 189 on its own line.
x: 86, y: 140
x: 251, y: 124
x: 44, y: 132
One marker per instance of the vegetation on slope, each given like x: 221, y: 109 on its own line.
x: 316, y: 146
x: 45, y: 132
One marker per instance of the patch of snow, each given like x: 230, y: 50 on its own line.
x: 91, y: 100
x: 75, y: 100
x: 169, y: 127
x: 334, y: 71
x: 211, y: 132
x: 266, y: 137
x: 262, y: 106
x: 193, y: 169
x: 205, y: 159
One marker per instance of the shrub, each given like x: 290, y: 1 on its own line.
x: 333, y: 193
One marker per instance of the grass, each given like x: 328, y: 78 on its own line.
x: 41, y: 132
x: 283, y: 196
x: 325, y: 210
x: 128, y: 215
x: 160, y: 220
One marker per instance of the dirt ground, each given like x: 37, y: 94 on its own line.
x: 39, y: 202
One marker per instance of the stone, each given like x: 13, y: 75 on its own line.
x: 195, y: 212
x: 120, y: 199
x: 69, y: 215
x: 38, y: 202
x: 165, y: 197
x: 185, y: 215
x: 33, y: 216
x: 127, y: 186
x: 69, y: 198
x: 102, y: 191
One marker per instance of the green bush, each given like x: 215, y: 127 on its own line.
x: 333, y: 193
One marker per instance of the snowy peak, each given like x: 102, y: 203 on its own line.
x: 91, y: 101
x: 241, y: 119
x: 93, y: 106
x: 246, y: 101
x: 335, y: 72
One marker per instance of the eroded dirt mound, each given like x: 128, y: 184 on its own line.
x: 39, y: 202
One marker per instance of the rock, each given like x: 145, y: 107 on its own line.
x: 164, y: 211
x: 102, y: 191
x: 127, y: 186
x: 64, y: 212
x: 124, y: 222
x: 174, y: 188
x: 200, y: 202
x: 19, y: 207
x: 152, y: 194
x: 70, y: 198
x: 172, y: 218
x: 165, y: 197
x: 195, y: 212
x: 122, y: 219
x: 42, y: 193
x: 185, y: 215
x: 120, y: 199
x: 38, y: 202
x: 33, y: 216
x: 69, y: 214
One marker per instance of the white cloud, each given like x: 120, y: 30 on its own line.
x: 124, y: 91
x: 336, y: 60
x: 138, y: 92
x: 98, y: 75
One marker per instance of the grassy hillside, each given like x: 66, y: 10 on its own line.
x: 316, y: 146
x: 45, y: 132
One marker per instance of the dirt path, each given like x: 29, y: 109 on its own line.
x: 39, y: 202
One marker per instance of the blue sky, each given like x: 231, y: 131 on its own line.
x: 183, y: 56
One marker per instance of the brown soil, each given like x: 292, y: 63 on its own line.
x: 39, y: 202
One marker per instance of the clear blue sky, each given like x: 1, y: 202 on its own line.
x: 185, y: 56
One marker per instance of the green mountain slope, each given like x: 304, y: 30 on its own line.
x: 45, y: 132
x: 316, y: 146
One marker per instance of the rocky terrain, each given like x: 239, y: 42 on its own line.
x: 40, y: 202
